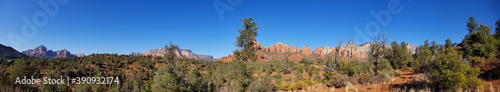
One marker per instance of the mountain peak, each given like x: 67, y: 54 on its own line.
x: 41, y: 48
x: 41, y: 51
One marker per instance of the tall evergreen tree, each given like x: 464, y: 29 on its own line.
x: 497, y: 29
x: 246, y: 40
x: 434, y: 47
x: 426, y: 44
x: 472, y: 25
x: 400, y: 56
x: 170, y: 51
x: 447, y: 44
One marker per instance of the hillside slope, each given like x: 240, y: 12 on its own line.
x: 10, y: 53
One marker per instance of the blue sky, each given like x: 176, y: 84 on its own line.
x: 124, y: 26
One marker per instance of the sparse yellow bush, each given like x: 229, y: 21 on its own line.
x: 295, y: 86
x: 309, y: 82
x: 286, y: 86
x: 300, y: 85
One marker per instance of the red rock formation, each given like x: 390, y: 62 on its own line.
x: 227, y: 58
x: 281, y: 48
x: 295, y: 57
x: 260, y: 56
x: 265, y: 49
x: 64, y: 53
x: 257, y: 45
x: 306, y: 51
x: 293, y: 49
x: 281, y: 51
x: 319, y: 52
x: 272, y: 49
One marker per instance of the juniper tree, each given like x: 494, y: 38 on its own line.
x: 497, y: 29
x: 447, y: 44
x: 170, y: 51
x: 246, y: 40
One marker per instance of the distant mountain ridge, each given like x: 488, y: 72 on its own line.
x: 41, y: 51
x: 10, y: 53
x: 182, y: 53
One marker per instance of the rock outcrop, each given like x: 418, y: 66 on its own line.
x: 41, y: 51
x: 327, y: 50
x: 227, y: 58
x: 155, y: 52
x: 411, y: 48
x: 293, y: 49
x: 353, y: 51
x: 367, y: 47
x: 81, y: 54
x: 320, y: 52
x: 257, y: 45
x: 454, y: 45
x: 349, y: 51
x: 181, y: 53
x: 280, y: 48
x: 306, y: 51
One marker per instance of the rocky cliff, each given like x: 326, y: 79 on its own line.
x: 81, y: 54
x: 281, y: 51
x: 411, y: 48
x: 41, y: 51
x: 181, y: 53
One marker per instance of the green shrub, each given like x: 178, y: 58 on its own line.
x: 278, y: 76
x: 477, y: 61
x: 451, y: 73
x: 366, y: 77
x: 348, y: 68
x: 262, y: 85
x: 384, y: 65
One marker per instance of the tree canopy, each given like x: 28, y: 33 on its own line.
x: 246, y: 40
